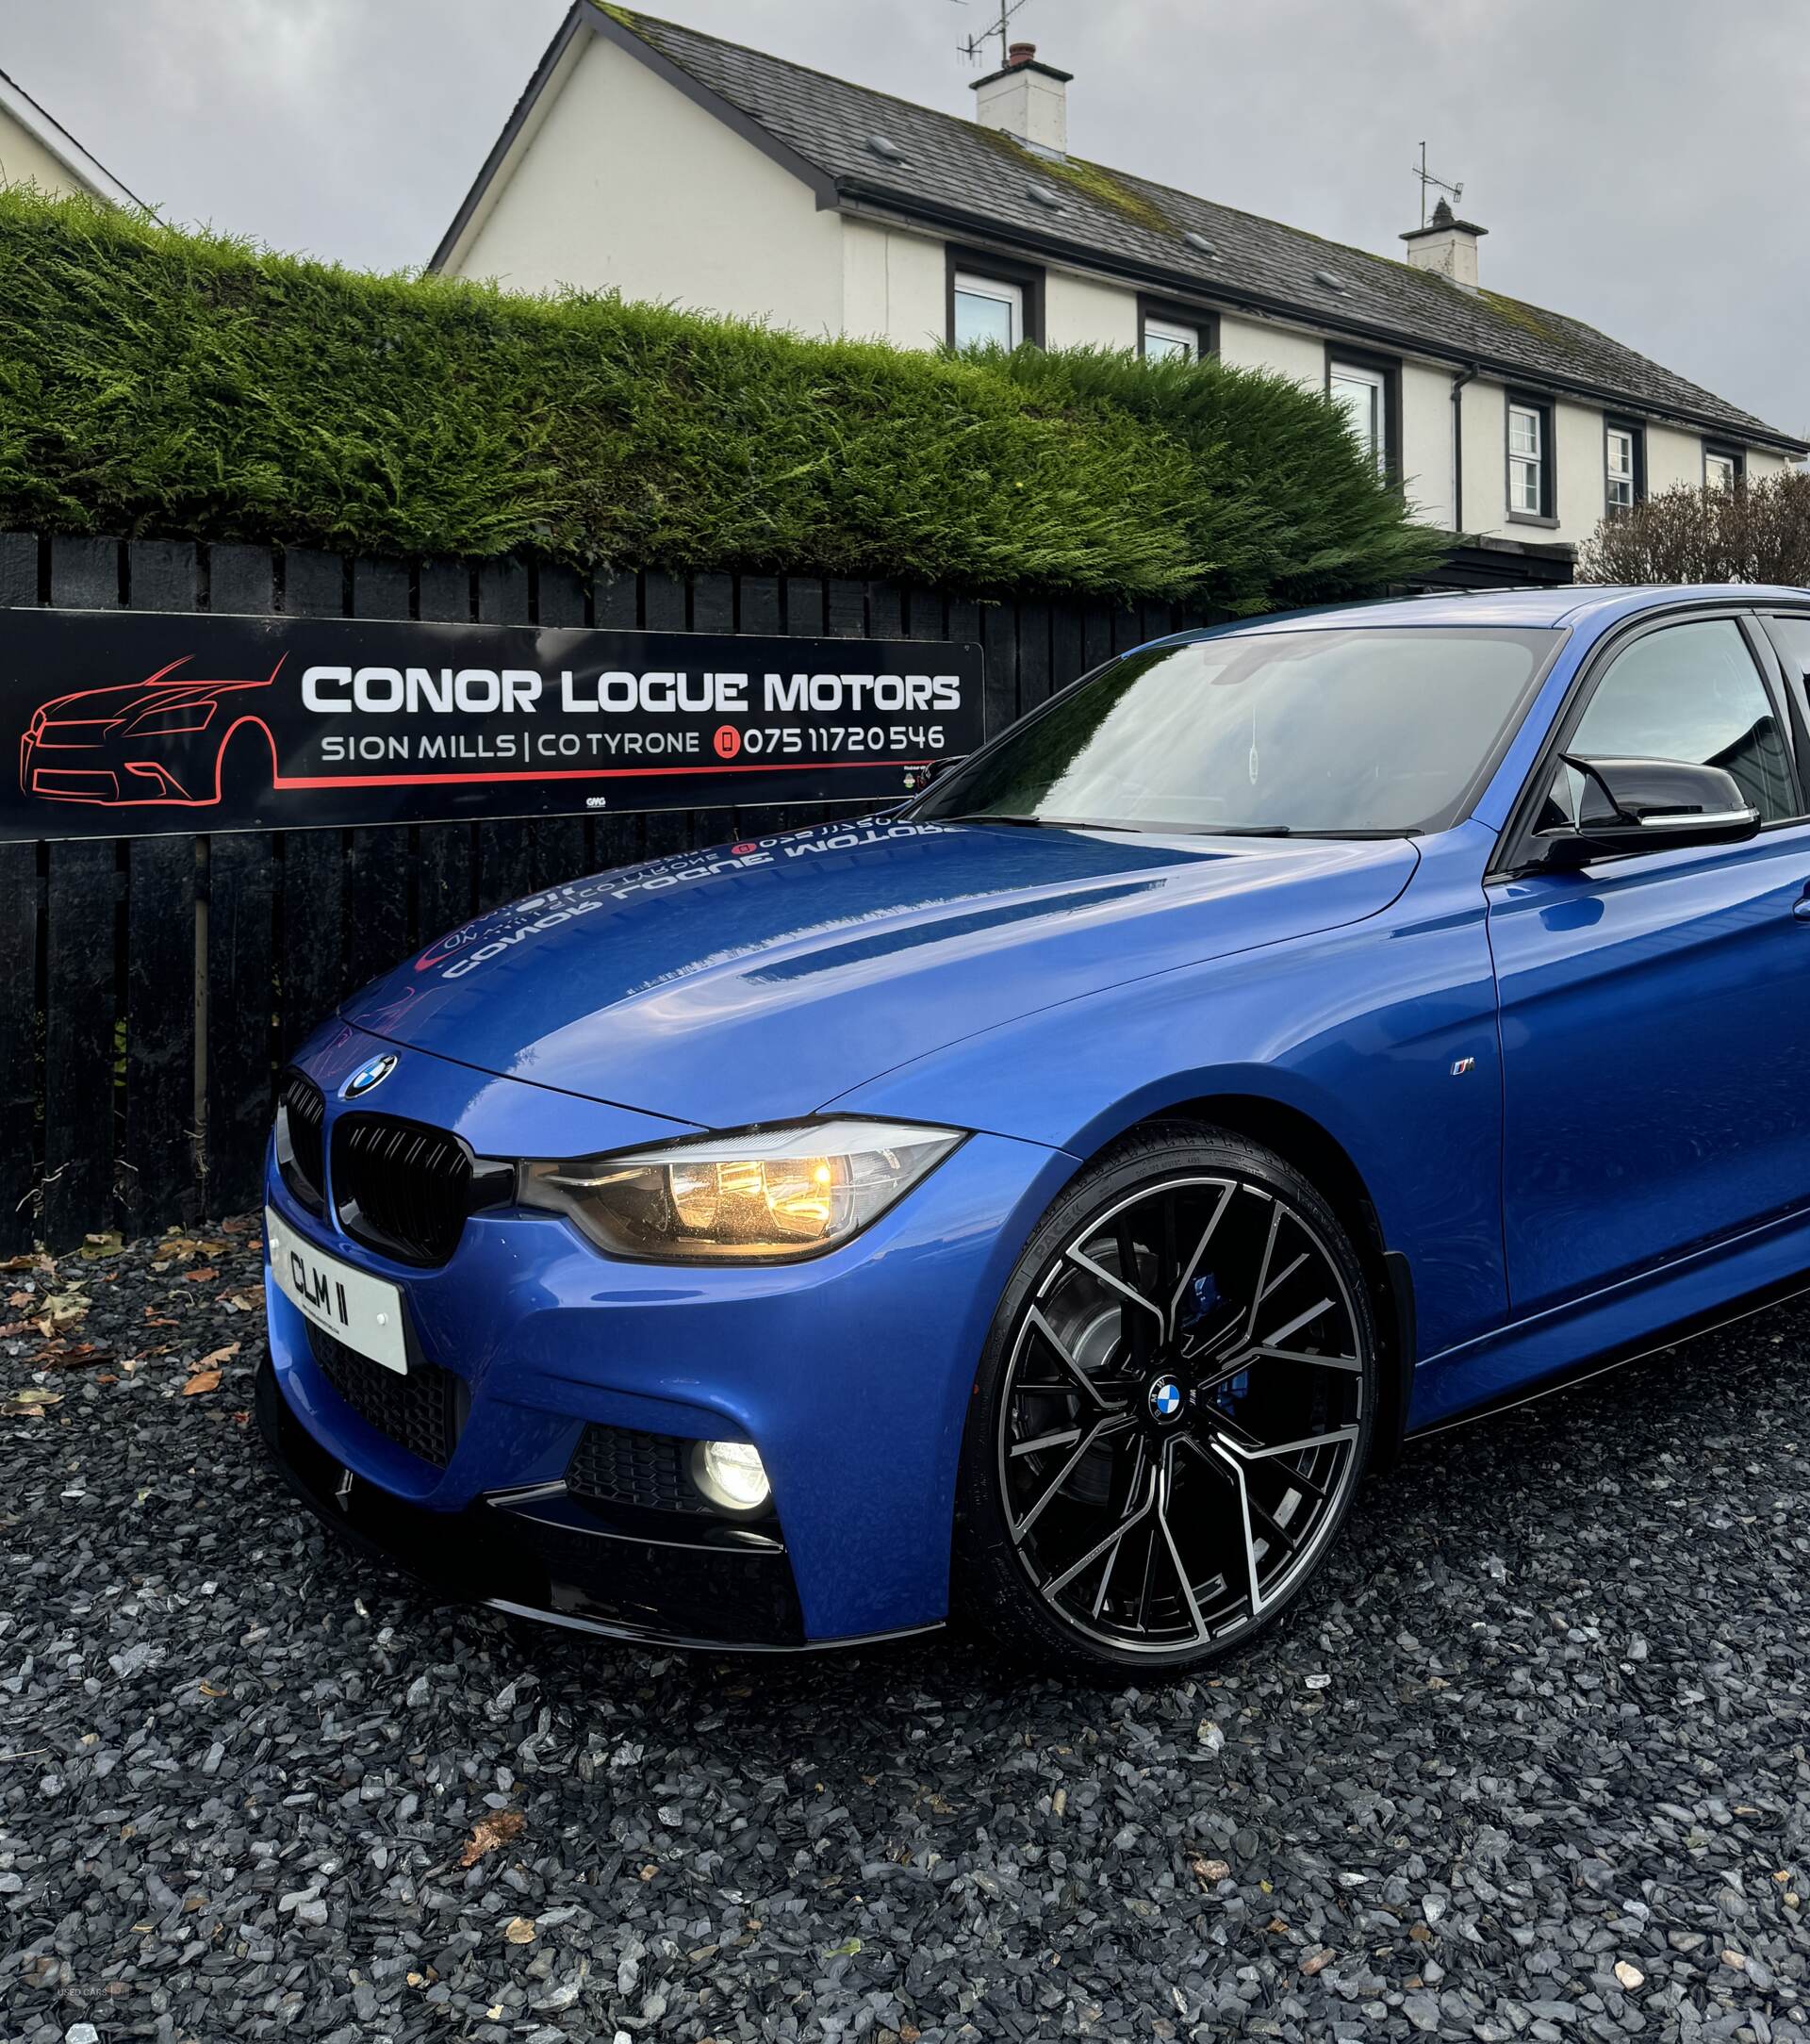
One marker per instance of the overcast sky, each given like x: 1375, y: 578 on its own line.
x: 1642, y: 164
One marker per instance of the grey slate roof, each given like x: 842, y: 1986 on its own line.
x: 956, y: 173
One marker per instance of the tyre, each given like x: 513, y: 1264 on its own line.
x: 245, y: 765
x: 1172, y: 1413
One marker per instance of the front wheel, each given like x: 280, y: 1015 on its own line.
x: 1172, y: 1413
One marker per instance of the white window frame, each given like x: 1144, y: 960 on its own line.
x: 1619, y: 480
x: 1376, y: 383
x: 1721, y: 470
x: 1173, y: 338
x: 977, y: 284
x: 1526, y: 462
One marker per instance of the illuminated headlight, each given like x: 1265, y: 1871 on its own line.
x: 748, y: 1198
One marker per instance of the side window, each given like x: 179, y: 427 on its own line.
x: 1692, y: 692
x: 1791, y: 635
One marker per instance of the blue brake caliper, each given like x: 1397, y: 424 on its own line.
x: 1202, y: 1299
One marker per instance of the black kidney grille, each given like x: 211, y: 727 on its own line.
x: 420, y: 1412
x: 612, y: 1465
x: 400, y: 1187
x: 302, y: 1113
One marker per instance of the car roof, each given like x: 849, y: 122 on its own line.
x: 1571, y: 606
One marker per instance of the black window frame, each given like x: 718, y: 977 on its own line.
x: 1637, y: 431
x: 1204, y: 321
x: 1794, y: 678
x: 1029, y: 277
x: 1725, y: 450
x: 1389, y: 366
x: 1532, y: 400
x: 1518, y: 853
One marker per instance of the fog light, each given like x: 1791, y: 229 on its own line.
x: 731, y: 1475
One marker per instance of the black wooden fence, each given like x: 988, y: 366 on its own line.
x: 150, y: 988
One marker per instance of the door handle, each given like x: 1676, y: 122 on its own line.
x: 1800, y: 908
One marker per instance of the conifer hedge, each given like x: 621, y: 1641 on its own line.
x: 155, y: 382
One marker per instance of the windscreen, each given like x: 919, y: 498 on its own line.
x: 1312, y: 732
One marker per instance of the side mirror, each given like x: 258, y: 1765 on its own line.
x: 1634, y: 805
x: 921, y: 777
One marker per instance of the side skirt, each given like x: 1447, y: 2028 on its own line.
x: 1639, y: 1318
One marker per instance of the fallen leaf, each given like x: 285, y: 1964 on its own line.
x: 847, y: 1949
x: 1631, y: 1977
x: 1210, y: 1872
x: 648, y: 1873
x: 491, y: 1832
x: 203, y: 1381
x: 199, y: 1276
x: 96, y: 1247
x: 1317, y: 1961
x: 28, y: 1404
x: 218, y: 1356
x: 520, y: 1930
x: 207, y: 1689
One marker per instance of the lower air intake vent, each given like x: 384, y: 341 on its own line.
x: 420, y: 1412
x: 400, y: 1187
x: 301, y: 1113
x: 650, y: 1471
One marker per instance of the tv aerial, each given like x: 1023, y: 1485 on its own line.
x: 1430, y: 183
x: 975, y: 48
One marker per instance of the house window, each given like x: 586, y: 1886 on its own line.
x: 1530, y: 460
x: 993, y: 301
x: 1624, y: 463
x: 1362, y: 392
x: 987, y: 309
x: 1172, y: 336
x: 1723, y: 467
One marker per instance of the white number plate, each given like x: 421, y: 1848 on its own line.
x: 363, y: 1311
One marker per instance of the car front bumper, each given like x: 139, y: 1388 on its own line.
x: 850, y: 1372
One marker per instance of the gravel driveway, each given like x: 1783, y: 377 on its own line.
x: 1531, y: 1763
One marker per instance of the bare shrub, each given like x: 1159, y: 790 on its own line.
x: 1758, y: 533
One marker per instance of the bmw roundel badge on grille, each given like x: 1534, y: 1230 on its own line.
x: 367, y: 1076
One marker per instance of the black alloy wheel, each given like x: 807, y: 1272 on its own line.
x: 1173, y: 1413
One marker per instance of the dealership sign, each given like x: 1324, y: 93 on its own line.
x: 123, y: 724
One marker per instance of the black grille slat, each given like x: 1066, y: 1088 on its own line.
x: 400, y: 1188
x: 419, y: 1413
x: 301, y: 1156
x: 615, y: 1465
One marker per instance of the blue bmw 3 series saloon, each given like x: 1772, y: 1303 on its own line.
x: 1044, y: 1201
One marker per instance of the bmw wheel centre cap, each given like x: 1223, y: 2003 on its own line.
x: 369, y: 1075
x: 1165, y: 1399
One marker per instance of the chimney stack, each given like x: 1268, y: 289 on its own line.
x: 1448, y: 245
x: 1026, y: 99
